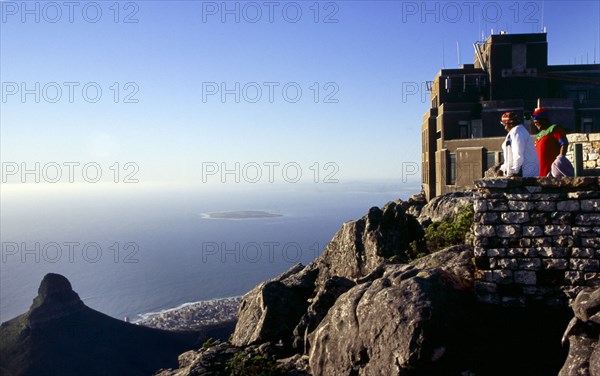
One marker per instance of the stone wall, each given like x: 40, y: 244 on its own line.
x: 537, y: 240
x: 591, y: 149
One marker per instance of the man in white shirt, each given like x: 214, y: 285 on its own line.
x: 520, y: 157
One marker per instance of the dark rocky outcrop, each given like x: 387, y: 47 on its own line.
x: 414, y: 204
x: 582, y: 336
x: 222, y: 358
x: 59, y: 335
x: 211, y: 360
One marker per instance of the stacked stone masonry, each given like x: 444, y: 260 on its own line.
x: 537, y: 240
x: 591, y: 148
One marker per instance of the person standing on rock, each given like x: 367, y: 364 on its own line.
x: 520, y: 158
x: 551, y: 145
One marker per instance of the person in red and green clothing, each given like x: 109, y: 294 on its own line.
x: 551, y: 145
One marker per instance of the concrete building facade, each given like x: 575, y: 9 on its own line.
x: 461, y: 131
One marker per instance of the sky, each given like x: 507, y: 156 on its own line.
x: 242, y: 92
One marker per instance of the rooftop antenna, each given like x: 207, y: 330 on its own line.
x: 458, y: 52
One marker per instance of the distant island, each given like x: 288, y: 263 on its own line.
x: 242, y: 214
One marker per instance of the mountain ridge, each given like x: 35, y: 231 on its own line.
x: 60, y: 335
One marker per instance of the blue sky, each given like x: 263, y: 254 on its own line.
x: 357, y: 67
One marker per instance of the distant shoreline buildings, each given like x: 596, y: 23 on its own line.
x: 461, y: 132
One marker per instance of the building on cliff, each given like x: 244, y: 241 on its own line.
x: 461, y: 132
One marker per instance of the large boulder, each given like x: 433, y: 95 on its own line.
x: 409, y: 319
x: 443, y: 207
x: 319, y: 306
x: 360, y: 246
x: 271, y: 311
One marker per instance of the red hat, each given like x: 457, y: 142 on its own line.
x: 510, y: 116
x: 540, y: 113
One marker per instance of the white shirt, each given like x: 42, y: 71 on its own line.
x: 519, y: 152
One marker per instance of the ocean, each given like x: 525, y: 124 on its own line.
x: 135, y: 250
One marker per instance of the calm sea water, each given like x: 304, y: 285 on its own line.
x: 133, y: 251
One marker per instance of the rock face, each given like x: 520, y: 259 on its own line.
x: 272, y: 309
x: 320, y: 305
x: 582, y: 336
x: 59, y: 335
x: 406, y: 320
x: 444, y: 206
x: 222, y: 358
x: 278, y: 310
x: 210, y: 361
x: 359, y: 247
x: 414, y: 204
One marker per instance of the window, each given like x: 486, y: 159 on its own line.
x: 448, y: 84
x: 451, y: 180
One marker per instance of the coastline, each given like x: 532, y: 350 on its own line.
x: 193, y: 316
